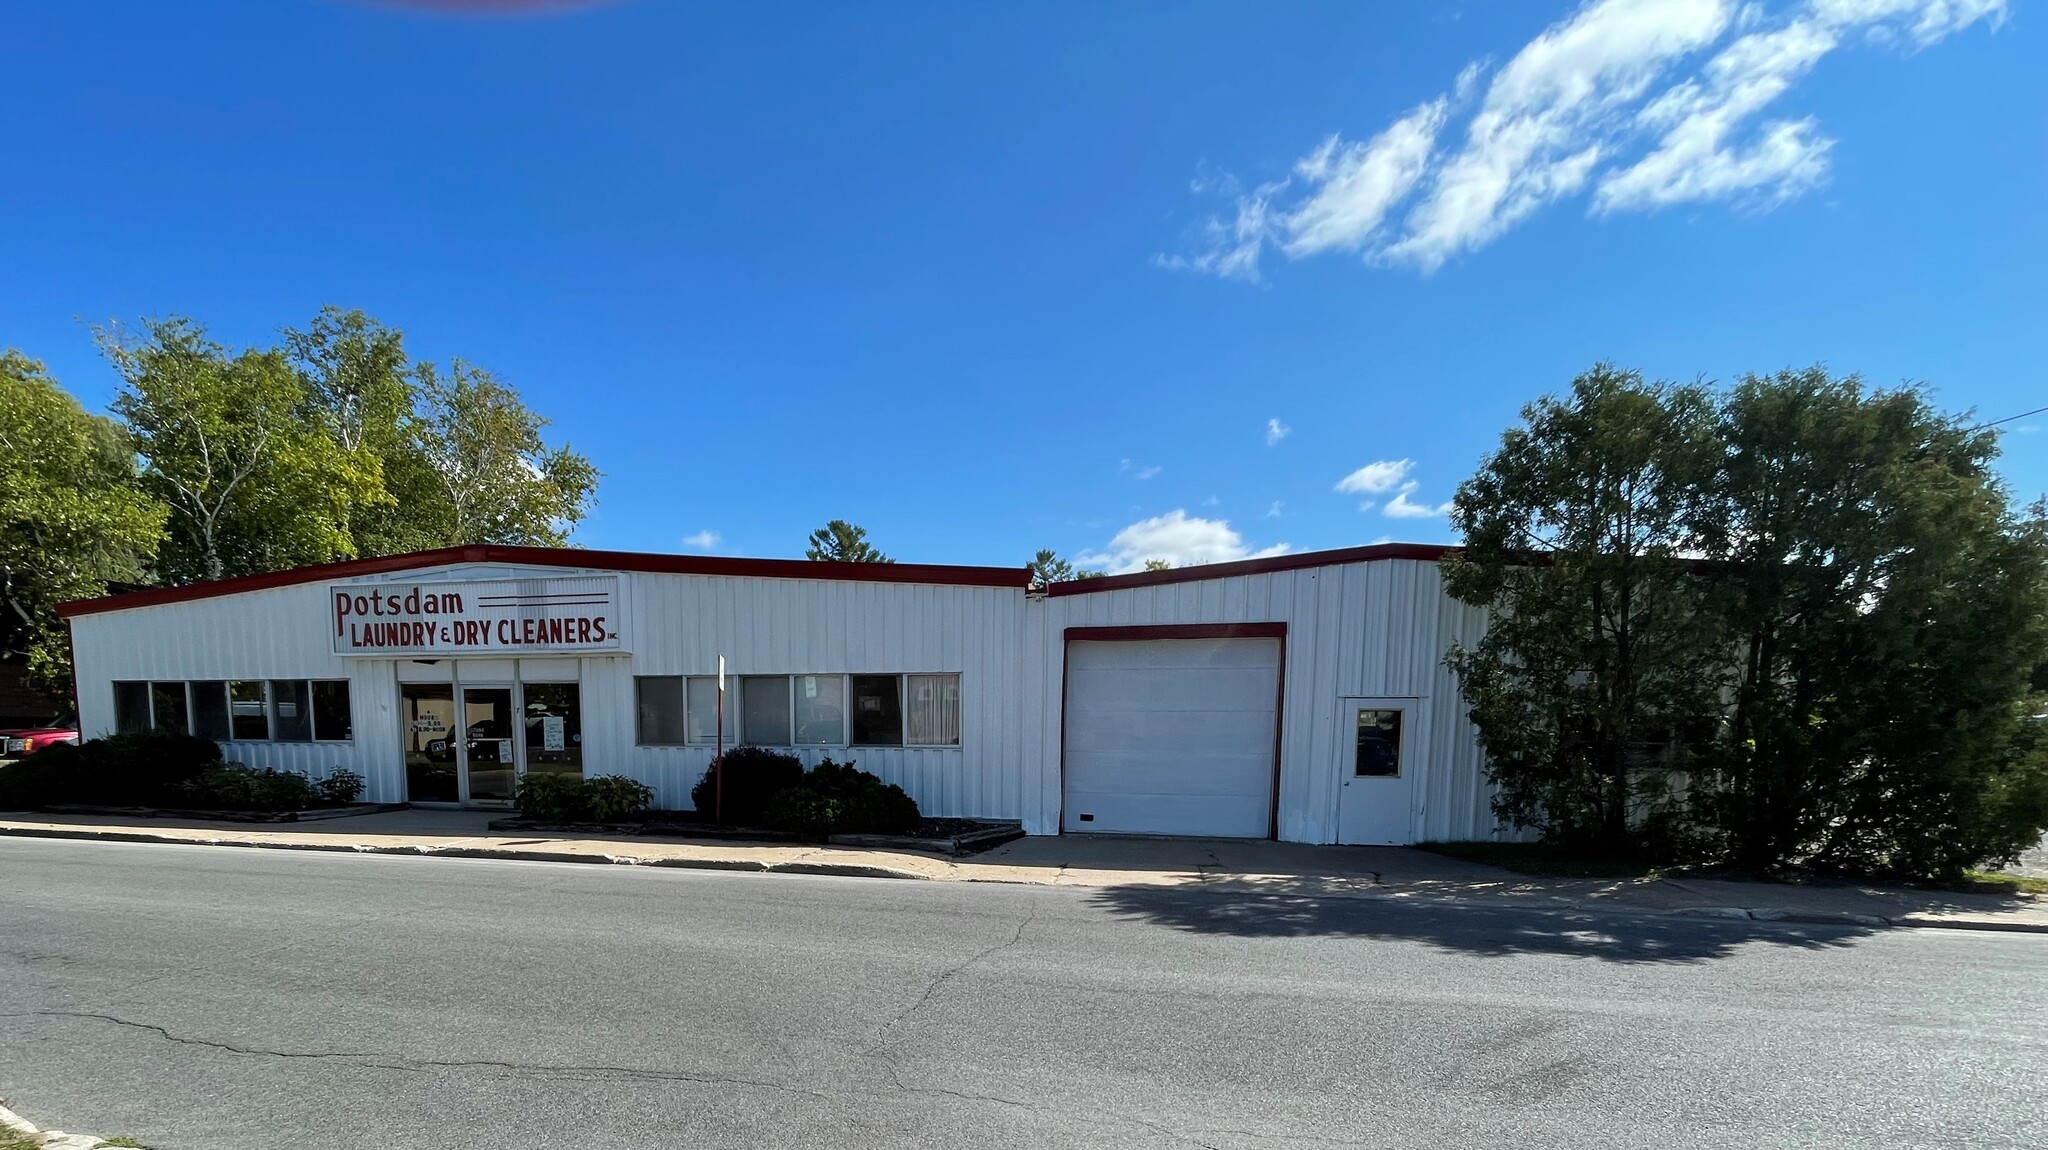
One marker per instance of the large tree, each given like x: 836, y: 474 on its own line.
x: 1577, y: 532
x: 1884, y: 602
x: 1047, y: 567
x: 72, y: 519
x: 358, y: 387
x: 250, y: 483
x: 842, y: 542
x: 497, y: 480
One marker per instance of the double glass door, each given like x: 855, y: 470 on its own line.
x: 504, y: 730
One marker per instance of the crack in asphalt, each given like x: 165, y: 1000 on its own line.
x: 386, y: 1061
x: 945, y: 976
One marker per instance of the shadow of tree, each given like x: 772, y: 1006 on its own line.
x: 1279, y: 912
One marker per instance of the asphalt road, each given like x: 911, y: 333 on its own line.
x: 202, y: 997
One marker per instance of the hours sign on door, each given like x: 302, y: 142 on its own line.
x: 494, y: 617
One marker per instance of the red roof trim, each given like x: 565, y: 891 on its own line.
x: 932, y: 573
x: 1427, y: 552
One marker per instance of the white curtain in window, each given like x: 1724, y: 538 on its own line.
x: 933, y: 710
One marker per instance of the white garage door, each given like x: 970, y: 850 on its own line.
x: 1171, y: 736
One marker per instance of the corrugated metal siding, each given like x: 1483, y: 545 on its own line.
x: 1375, y: 629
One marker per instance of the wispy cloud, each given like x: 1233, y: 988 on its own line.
x: 1630, y: 98
x: 1276, y: 431
x: 702, y: 540
x: 1402, y: 507
x: 1137, y: 472
x: 1376, y: 478
x: 1176, y: 537
x: 1280, y: 505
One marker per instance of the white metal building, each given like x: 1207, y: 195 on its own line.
x: 1301, y: 697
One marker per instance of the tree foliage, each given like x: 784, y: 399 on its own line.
x: 1047, y: 567
x: 1789, y: 623
x: 499, y: 481
x: 842, y: 542
x: 249, y: 482
x: 72, y: 519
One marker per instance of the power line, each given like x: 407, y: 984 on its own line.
x: 2009, y: 418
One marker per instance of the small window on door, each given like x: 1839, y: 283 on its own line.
x: 1379, y: 744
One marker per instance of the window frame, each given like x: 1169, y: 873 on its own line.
x: 682, y: 683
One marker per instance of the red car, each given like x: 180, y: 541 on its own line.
x: 24, y: 741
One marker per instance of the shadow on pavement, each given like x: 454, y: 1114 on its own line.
x: 1480, y: 930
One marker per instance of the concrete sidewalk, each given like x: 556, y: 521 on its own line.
x: 1284, y: 871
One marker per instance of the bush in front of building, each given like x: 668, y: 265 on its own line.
x: 147, y: 769
x: 753, y: 775
x: 841, y: 799
x: 573, y: 799
x: 233, y: 786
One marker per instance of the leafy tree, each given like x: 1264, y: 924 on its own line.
x: 358, y: 387
x: 1885, y: 604
x: 1048, y: 567
x: 249, y: 482
x: 842, y: 542
x: 71, y: 517
x: 496, y: 478
x: 1598, y: 643
x: 1158, y: 564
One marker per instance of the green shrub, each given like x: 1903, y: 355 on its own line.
x: 554, y: 798
x: 840, y: 799
x: 148, y: 769
x: 753, y: 775
x: 616, y: 798
x: 340, y: 788
x: 238, y: 787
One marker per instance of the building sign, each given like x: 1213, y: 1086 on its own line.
x: 496, y: 617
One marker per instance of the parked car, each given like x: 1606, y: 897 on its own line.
x: 24, y: 741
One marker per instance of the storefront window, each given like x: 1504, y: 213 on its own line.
x: 820, y: 710
x: 877, y: 710
x: 291, y: 719
x: 764, y: 710
x: 658, y: 709
x: 167, y: 708
x: 703, y: 717
x: 331, y: 716
x: 248, y: 714
x: 131, y: 708
x: 210, y: 710
x: 554, y: 728
x: 934, y: 711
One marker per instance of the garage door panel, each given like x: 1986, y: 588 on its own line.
x: 1171, y: 736
x: 1174, y: 688
x: 1220, y: 817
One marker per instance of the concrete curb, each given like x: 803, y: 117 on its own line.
x: 47, y: 1139
x: 872, y: 870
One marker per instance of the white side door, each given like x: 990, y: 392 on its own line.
x: 1380, y: 751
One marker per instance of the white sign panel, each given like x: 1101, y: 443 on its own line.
x: 507, y: 617
x: 551, y: 728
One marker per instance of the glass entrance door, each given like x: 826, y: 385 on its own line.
x: 490, y: 756
x: 427, y: 711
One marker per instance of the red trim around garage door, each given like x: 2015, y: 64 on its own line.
x: 1183, y: 631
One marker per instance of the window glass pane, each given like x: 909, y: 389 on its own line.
x: 210, y: 709
x: 877, y: 711
x: 131, y: 708
x: 821, y: 710
x: 704, y: 709
x: 659, y: 707
x: 246, y: 710
x: 290, y: 717
x: 934, y: 710
x: 554, y: 728
x: 764, y: 710
x: 167, y: 707
x: 331, y: 717
x: 428, y: 712
x: 1379, y: 744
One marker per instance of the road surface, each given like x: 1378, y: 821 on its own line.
x: 200, y: 997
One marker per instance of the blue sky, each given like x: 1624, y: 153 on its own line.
x: 1196, y: 281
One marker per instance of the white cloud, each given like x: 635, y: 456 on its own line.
x: 1376, y: 478
x: 1139, y: 473
x: 1178, y: 538
x: 1587, y: 103
x: 1274, y: 511
x: 1402, y: 507
x: 702, y: 540
x: 1276, y: 431
x: 1212, y: 501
